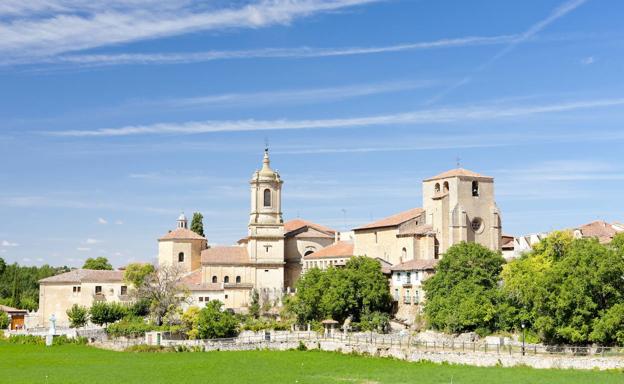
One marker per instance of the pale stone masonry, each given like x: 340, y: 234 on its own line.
x: 458, y: 205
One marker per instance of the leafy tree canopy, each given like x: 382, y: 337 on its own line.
x: 197, y: 224
x: 213, y: 323
x: 137, y: 273
x: 97, y: 263
x: 78, y: 316
x: 338, y: 293
x: 463, y: 294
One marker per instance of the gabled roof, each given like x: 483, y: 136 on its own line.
x: 458, y: 172
x: 601, y: 230
x: 86, y: 276
x: 394, y: 220
x: 7, y: 309
x: 225, y: 255
x: 338, y: 249
x: 297, y: 224
x: 416, y: 265
x: 182, y: 234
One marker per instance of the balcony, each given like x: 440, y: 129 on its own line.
x: 99, y: 297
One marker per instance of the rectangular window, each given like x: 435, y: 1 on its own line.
x: 206, y: 299
x: 98, y: 289
x: 226, y: 296
x: 124, y: 290
x: 201, y: 299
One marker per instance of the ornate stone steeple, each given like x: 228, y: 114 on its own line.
x: 182, y: 221
x: 266, y: 194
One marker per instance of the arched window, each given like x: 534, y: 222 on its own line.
x: 181, y: 257
x: 403, y: 254
x: 267, y: 197
x: 238, y: 279
x: 214, y: 279
x: 446, y: 186
x: 226, y: 279
x: 475, y: 188
x: 437, y: 187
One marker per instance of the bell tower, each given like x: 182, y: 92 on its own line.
x: 266, y: 228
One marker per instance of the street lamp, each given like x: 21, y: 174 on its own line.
x: 523, y: 337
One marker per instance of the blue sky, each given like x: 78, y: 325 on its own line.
x: 116, y: 116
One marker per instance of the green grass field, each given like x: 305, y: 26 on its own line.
x: 82, y: 364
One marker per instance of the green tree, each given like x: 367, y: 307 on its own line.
x: 358, y: 288
x: 97, y: 263
x: 254, y: 307
x: 103, y: 313
x: 463, y: 294
x: 2, y: 266
x: 213, y: 323
x: 4, y: 320
x: 609, y: 328
x: 78, y: 316
x: 136, y: 273
x: 197, y: 224
x: 568, y: 290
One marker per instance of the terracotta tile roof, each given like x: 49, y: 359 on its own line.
x: 86, y: 275
x: 7, y: 309
x: 193, y: 281
x: 601, y: 230
x: 458, y: 172
x: 413, y: 265
x: 225, y: 255
x: 293, y: 225
x: 507, y: 241
x: 182, y: 234
x: 394, y: 220
x: 338, y: 249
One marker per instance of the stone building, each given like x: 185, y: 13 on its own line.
x: 81, y: 286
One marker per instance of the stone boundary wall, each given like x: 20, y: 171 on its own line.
x: 413, y: 354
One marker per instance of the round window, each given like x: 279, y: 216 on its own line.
x: 477, y: 224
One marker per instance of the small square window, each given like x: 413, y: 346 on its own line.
x: 226, y: 296
x: 266, y: 270
x: 124, y: 290
x: 201, y: 299
x: 98, y: 289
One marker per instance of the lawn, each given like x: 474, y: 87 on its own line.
x: 82, y: 364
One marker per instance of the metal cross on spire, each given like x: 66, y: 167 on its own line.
x: 458, y: 160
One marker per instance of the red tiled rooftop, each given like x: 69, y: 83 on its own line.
x: 182, y: 234
x: 85, y: 275
x: 394, y: 220
x: 458, y: 172
x: 413, y: 265
x: 338, y: 249
x: 293, y: 225
x: 225, y: 255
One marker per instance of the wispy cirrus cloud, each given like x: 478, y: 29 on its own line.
x: 423, y: 116
x: 559, y: 12
x: 293, y: 96
x: 111, y: 59
x: 49, y: 28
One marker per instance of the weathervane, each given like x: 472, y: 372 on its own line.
x: 266, y: 143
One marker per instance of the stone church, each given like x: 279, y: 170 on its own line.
x: 457, y: 205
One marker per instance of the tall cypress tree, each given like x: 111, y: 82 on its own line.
x: 197, y: 225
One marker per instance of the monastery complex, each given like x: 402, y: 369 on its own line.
x: 458, y: 205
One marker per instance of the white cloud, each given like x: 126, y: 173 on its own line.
x: 119, y: 222
x: 424, y: 116
x: 83, y: 249
x: 57, y: 26
x: 531, y: 32
x: 288, y: 53
x: 102, y: 221
x: 589, y: 60
x: 293, y: 96
x: 91, y: 241
x: 6, y: 243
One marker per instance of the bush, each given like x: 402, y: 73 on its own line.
x: 103, y: 313
x: 26, y: 339
x: 214, y: 323
x: 130, y: 327
x: 4, y: 320
x: 78, y: 316
x: 146, y: 348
